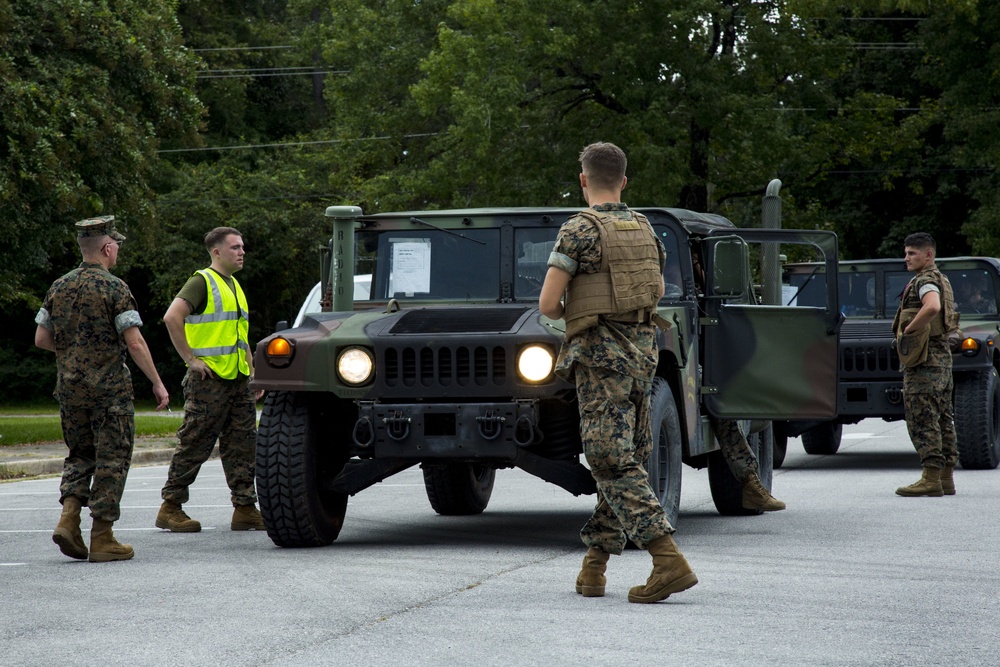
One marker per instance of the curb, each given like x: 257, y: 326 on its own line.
x: 41, y: 467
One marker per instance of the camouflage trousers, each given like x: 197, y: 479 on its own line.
x: 735, y: 449
x: 929, y: 418
x: 215, y: 409
x: 100, y: 444
x: 614, y: 426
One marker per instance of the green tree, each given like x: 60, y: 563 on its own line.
x: 477, y: 102
x: 90, y: 91
x: 963, y: 61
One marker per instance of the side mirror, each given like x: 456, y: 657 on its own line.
x: 730, y: 268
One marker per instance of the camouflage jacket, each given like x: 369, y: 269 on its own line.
x: 938, y: 349
x: 628, y: 349
x: 87, y: 310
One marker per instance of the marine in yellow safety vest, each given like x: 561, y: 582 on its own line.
x: 208, y: 322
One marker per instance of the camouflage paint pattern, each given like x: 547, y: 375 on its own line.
x: 215, y: 409
x: 779, y: 363
x: 614, y: 423
x: 87, y: 310
x: 808, y: 386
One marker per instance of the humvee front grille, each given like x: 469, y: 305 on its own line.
x: 866, y: 350
x: 868, y: 359
x: 865, y: 329
x: 445, y: 366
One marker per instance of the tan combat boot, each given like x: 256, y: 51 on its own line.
x: 948, y: 480
x: 103, y: 545
x: 591, y: 581
x: 246, y: 517
x: 757, y: 497
x: 174, y: 519
x: 671, y: 573
x: 929, y: 484
x: 67, y: 533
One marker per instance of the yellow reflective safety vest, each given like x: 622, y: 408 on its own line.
x: 627, y: 286
x: 220, y: 335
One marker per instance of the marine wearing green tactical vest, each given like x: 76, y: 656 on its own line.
x: 608, y: 265
x: 208, y: 322
x: 925, y: 318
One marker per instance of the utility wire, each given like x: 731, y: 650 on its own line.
x: 244, y: 48
x: 293, y: 143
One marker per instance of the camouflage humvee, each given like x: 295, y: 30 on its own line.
x: 871, y: 383
x: 448, y: 364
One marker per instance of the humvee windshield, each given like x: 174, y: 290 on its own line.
x: 974, y: 291
x: 465, y: 264
x: 857, y: 292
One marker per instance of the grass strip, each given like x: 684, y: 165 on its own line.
x: 29, y: 430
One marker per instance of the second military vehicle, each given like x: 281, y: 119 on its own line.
x: 447, y: 363
x: 871, y: 382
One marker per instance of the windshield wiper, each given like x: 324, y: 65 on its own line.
x: 446, y: 231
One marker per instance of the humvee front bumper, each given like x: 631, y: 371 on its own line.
x: 465, y: 431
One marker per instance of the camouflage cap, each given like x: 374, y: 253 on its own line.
x: 101, y: 226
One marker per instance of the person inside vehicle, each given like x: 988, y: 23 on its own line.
x: 970, y: 298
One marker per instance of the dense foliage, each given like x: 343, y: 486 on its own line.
x: 879, y: 117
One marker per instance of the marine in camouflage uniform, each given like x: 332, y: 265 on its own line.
x: 928, y: 385
x: 733, y: 444
x: 612, y: 365
x: 218, y: 402
x: 612, y: 361
x: 87, y: 318
x: 743, y: 464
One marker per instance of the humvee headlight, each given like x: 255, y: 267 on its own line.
x: 355, y: 365
x: 535, y: 363
x: 279, y: 352
x: 970, y: 346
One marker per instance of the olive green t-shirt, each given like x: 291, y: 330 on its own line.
x: 195, y: 291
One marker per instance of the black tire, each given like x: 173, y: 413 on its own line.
x: 823, y: 439
x: 664, y: 463
x: 977, y: 420
x: 727, y: 491
x: 293, y: 472
x: 779, y: 447
x: 459, y: 489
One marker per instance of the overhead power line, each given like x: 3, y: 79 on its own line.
x: 293, y: 143
x: 245, y: 48
x: 254, y: 74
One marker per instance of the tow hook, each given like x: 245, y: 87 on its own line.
x: 491, y: 424
x: 524, y: 431
x: 894, y: 396
x: 364, y: 434
x: 397, y: 426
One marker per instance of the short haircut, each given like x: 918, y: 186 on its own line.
x: 91, y: 245
x: 604, y: 165
x: 218, y: 235
x: 920, y: 240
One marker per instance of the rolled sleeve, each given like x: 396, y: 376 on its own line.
x: 927, y: 289
x: 43, y: 319
x: 561, y: 261
x: 127, y: 320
